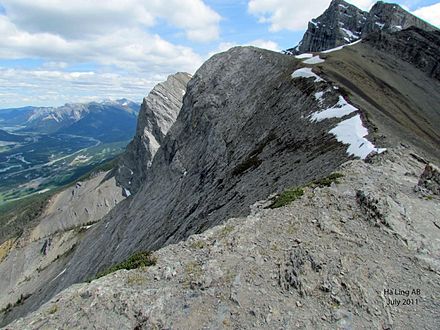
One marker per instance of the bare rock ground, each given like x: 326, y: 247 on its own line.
x: 360, y: 254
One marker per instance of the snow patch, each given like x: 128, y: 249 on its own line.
x: 302, y: 56
x: 339, y: 110
x: 314, y: 60
x: 350, y: 34
x: 353, y: 132
x: 62, y: 272
x: 340, y: 47
x: 319, y: 96
x: 127, y: 192
x: 306, y: 73
x: 380, y: 25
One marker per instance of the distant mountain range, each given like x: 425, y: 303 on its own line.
x: 107, y: 121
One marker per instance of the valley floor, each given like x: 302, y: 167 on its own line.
x: 361, y: 253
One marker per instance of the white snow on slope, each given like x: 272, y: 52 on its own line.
x: 302, y: 56
x: 339, y: 110
x: 353, y: 132
x: 314, y: 60
x: 306, y: 73
x: 350, y: 34
x: 340, y: 47
x: 319, y: 96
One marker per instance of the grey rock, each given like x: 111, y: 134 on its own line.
x: 430, y: 179
x: 158, y: 113
x: 340, y: 24
x: 343, y: 23
x: 390, y: 17
x: 422, y: 50
x: 40, y: 253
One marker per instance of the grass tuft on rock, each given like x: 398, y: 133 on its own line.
x: 287, y: 197
x: 137, y: 260
x: 327, y: 181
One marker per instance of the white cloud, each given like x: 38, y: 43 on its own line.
x: 430, y: 14
x: 266, y: 44
x: 80, y: 19
x: 112, y: 37
x: 292, y: 15
x: 129, y: 48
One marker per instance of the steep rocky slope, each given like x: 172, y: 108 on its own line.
x: 343, y: 23
x: 158, y: 112
x: 323, y: 262
x: 422, y: 52
x: 253, y: 123
x: 40, y: 253
x: 82, y: 204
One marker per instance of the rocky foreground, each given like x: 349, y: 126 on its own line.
x: 361, y: 253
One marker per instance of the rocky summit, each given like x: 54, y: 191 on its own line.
x: 343, y: 23
x: 267, y: 191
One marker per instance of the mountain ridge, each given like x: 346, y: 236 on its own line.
x: 53, y: 119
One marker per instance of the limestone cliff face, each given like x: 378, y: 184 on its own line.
x: 158, y: 112
x: 344, y: 23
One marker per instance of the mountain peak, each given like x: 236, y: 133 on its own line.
x: 343, y: 23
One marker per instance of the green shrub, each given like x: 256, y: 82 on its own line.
x: 20, y: 301
x: 137, y: 260
x: 327, y: 181
x: 287, y: 197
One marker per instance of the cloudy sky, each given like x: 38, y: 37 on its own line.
x: 58, y: 51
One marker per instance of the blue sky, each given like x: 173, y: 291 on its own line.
x: 53, y: 51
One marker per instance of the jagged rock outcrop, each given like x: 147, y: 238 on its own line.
x: 390, y: 17
x: 158, y: 112
x: 430, y: 179
x: 319, y: 263
x: 344, y: 23
x: 340, y: 24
